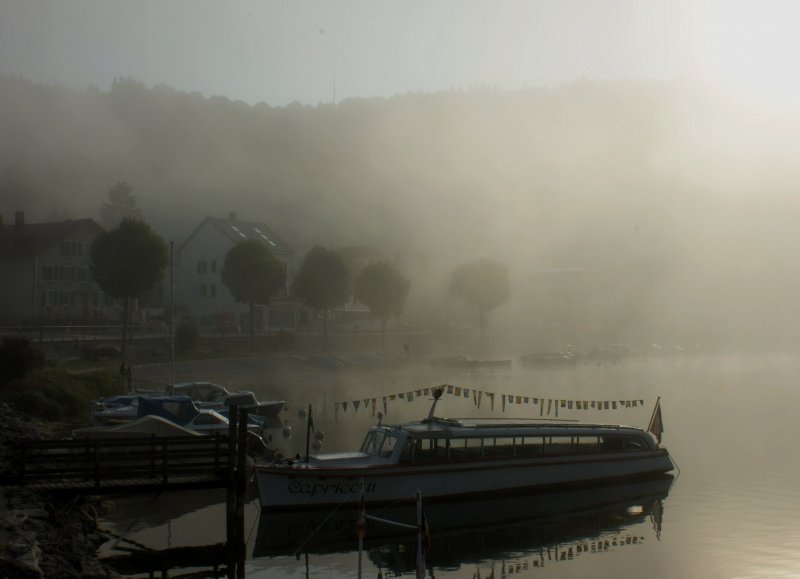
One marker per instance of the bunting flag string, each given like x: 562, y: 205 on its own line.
x: 547, y: 406
x: 552, y: 554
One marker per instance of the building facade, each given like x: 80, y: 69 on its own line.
x: 45, y: 273
x: 198, y: 276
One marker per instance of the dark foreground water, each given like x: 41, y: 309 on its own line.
x: 733, y: 511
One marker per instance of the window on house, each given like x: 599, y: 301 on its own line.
x: 212, y: 290
x: 202, y: 266
x: 203, y: 290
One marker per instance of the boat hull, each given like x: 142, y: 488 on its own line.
x: 287, y: 487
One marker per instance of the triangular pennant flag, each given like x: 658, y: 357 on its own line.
x: 356, y: 404
x: 344, y: 406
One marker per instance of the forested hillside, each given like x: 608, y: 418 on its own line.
x: 637, y: 197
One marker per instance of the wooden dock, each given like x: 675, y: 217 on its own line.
x: 101, y: 466
x: 144, y: 464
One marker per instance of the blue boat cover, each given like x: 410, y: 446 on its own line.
x: 178, y: 409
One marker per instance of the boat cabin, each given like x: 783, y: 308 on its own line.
x: 443, y: 440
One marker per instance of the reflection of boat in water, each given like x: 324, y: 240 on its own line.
x: 452, y: 459
x: 476, y: 530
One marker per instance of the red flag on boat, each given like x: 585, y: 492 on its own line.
x: 656, y: 427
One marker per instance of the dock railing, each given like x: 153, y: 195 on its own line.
x: 114, y: 465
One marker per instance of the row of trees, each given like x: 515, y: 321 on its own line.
x: 130, y: 259
x: 255, y: 276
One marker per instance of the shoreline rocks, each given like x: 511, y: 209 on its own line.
x: 42, y: 535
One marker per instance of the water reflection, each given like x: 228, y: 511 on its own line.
x: 521, y: 531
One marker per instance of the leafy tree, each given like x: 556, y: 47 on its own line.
x: 323, y: 283
x: 121, y: 205
x: 384, y: 290
x: 483, y: 284
x: 126, y: 262
x: 253, y: 275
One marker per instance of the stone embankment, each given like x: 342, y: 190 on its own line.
x: 41, y: 536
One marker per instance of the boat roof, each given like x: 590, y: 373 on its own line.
x: 456, y: 427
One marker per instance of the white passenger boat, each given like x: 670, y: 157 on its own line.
x: 454, y: 459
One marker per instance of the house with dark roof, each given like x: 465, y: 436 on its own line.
x: 44, y: 268
x: 198, y: 273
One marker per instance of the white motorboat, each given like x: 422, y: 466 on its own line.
x: 452, y: 459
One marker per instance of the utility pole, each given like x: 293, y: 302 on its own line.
x: 172, y: 314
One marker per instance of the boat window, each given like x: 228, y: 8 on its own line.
x: 373, y: 442
x: 558, y: 445
x: 500, y: 447
x: 389, y: 444
x: 407, y: 455
x: 634, y: 444
x: 473, y: 448
x: 530, y: 446
x: 586, y: 444
x: 611, y: 443
x: 431, y: 450
x: 379, y: 443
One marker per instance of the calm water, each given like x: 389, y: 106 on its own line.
x: 733, y: 511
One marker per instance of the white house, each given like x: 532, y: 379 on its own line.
x: 198, y: 272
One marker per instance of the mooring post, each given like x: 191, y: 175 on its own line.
x: 241, y: 481
x: 230, y: 495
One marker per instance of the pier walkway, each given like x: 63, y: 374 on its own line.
x: 139, y: 464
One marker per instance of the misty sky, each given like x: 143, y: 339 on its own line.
x: 281, y: 51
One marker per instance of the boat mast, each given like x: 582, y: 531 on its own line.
x: 437, y: 393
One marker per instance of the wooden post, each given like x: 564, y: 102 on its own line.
x: 230, y: 503
x: 216, y: 453
x: 241, y: 487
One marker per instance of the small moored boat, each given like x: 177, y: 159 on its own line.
x: 453, y: 459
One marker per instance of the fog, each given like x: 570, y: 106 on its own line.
x: 643, y: 194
